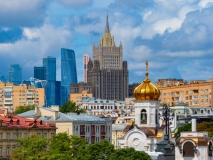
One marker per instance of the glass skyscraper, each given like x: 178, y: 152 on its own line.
x: 39, y: 73
x: 2, y: 78
x: 49, y: 64
x: 15, y: 74
x: 68, y: 73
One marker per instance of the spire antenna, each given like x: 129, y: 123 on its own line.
x: 107, y: 24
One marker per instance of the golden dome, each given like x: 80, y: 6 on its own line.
x: 146, y: 90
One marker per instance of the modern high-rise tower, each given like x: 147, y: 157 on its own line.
x: 68, y: 73
x: 15, y: 74
x: 39, y: 73
x: 86, y: 60
x: 108, y: 73
x: 49, y: 64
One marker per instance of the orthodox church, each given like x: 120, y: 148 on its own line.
x: 147, y: 131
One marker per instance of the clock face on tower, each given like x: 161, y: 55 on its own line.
x: 136, y: 141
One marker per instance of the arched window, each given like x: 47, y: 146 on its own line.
x: 188, y: 149
x: 143, y: 116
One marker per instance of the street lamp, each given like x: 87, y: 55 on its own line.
x: 167, y: 116
x: 166, y: 146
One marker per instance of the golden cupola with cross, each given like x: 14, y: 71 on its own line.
x: 146, y: 90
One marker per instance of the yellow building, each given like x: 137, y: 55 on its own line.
x: 118, y: 131
x: 91, y: 128
x: 196, y: 94
x: 77, y: 97
x: 12, y: 96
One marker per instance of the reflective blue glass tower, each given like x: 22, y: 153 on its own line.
x: 68, y: 73
x: 49, y: 64
x: 15, y: 74
x: 39, y: 73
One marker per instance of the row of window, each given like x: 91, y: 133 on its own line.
x: 186, y: 92
x: 7, y: 151
x: 94, y: 129
x: 20, y: 135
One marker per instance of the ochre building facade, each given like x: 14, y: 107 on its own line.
x: 12, y: 96
x: 196, y: 93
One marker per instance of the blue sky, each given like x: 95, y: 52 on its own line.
x: 175, y: 36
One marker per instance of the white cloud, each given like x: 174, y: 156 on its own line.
x: 22, y: 12
x: 205, y: 3
x: 36, y: 44
x: 76, y: 3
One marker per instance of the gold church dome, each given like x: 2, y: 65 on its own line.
x: 146, y: 90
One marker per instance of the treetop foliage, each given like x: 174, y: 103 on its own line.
x: 203, y: 126
x: 64, y: 147
x: 22, y: 109
x: 71, y: 107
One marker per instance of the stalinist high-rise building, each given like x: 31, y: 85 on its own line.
x: 108, y: 73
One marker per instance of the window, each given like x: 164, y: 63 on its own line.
x: 8, y: 135
x: 25, y: 135
x: 8, y: 151
x: 38, y: 134
x: 19, y: 135
x: 45, y: 135
x: 1, y: 135
x: 14, y: 135
x: 0, y: 151
x: 143, y: 116
x: 52, y: 134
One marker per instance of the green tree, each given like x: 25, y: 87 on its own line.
x: 22, y: 109
x: 206, y: 126
x: 129, y: 154
x: 101, y: 150
x: 186, y: 127
x: 71, y: 107
x: 79, y: 148
x: 59, y: 147
x: 203, y: 126
x: 31, y: 148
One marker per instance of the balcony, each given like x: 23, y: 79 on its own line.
x: 82, y: 133
x: 103, y: 132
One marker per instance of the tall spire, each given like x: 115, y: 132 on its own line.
x: 107, y: 24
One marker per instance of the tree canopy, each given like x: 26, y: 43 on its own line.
x: 64, y: 147
x: 22, y: 109
x: 71, y: 107
x: 203, y: 126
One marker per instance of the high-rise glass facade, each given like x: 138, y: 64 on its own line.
x: 39, y: 73
x: 68, y: 73
x: 15, y: 74
x: 49, y: 64
x: 2, y: 78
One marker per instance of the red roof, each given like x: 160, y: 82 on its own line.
x: 20, y: 122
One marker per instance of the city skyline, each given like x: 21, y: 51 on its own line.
x: 174, y: 36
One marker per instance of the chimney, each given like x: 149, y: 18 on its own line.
x: 194, y: 125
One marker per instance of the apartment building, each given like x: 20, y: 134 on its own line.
x: 12, y: 96
x: 195, y: 93
x: 107, y: 107
x: 91, y: 128
x: 12, y: 127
